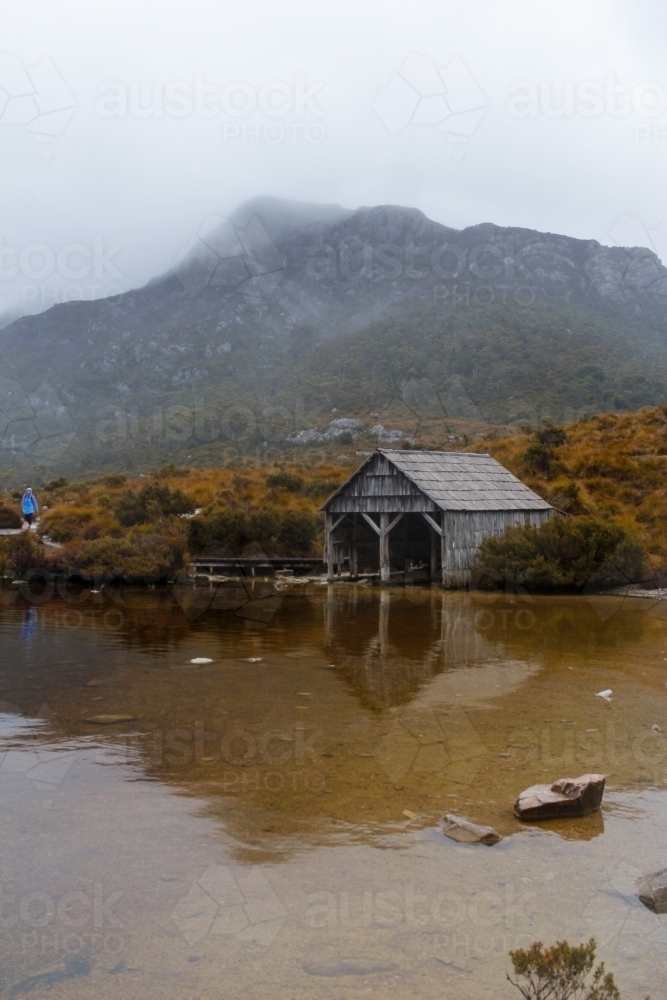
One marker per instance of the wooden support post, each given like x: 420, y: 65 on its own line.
x: 434, y: 554
x: 329, y: 527
x: 354, y: 563
x: 384, y: 548
x: 328, y: 544
x: 443, y: 552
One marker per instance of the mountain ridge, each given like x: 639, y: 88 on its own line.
x: 260, y: 308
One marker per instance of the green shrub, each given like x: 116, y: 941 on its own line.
x: 290, y: 481
x: 9, y: 518
x: 175, y: 471
x: 114, y: 479
x: 298, y: 530
x: 561, y: 972
x: 150, y: 503
x: 322, y: 487
x: 539, y: 455
x: 65, y: 523
x: 561, y: 552
x: 136, y: 558
x: 222, y: 530
x: 56, y: 484
x: 22, y: 553
x: 289, y: 532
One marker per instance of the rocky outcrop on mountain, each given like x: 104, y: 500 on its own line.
x: 281, y: 264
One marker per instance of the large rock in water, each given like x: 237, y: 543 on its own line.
x: 566, y: 797
x: 464, y: 832
x: 652, y: 891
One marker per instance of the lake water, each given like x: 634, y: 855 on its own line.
x: 267, y: 824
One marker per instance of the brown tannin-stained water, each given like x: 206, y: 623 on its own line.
x: 268, y: 823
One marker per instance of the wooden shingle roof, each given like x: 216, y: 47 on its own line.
x: 465, y: 481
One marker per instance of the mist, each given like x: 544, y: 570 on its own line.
x: 125, y: 125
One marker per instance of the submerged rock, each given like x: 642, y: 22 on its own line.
x: 464, y: 832
x: 566, y: 797
x: 652, y: 891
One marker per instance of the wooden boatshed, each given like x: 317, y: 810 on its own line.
x: 407, y: 509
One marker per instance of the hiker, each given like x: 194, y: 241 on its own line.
x: 29, y: 506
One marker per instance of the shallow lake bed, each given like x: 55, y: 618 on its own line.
x: 270, y: 820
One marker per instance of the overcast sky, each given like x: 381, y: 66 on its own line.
x: 125, y: 123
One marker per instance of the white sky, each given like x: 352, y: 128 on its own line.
x: 147, y: 183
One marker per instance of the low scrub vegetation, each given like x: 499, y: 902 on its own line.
x: 562, y: 552
x: 562, y: 972
x: 9, y: 518
x: 286, y: 532
x: 146, y: 530
x: 607, y: 472
x: 611, y: 467
x: 133, y: 558
x: 151, y: 503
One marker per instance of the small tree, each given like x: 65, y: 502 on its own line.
x: 561, y: 972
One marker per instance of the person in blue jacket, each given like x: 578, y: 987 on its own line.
x: 29, y: 506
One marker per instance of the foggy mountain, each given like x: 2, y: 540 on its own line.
x: 286, y: 300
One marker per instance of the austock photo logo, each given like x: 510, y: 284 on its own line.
x: 224, y: 257
x: 610, y: 98
x: 49, y: 275
x: 35, y: 98
x: 274, y: 112
x: 447, y: 98
x: 70, y: 926
x: 420, y: 742
x: 225, y: 904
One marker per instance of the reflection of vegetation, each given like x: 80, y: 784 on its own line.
x: 562, y: 552
x: 559, y: 625
x: 561, y: 972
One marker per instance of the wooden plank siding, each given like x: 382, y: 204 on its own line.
x: 378, y: 487
x: 466, y: 530
x: 471, y: 496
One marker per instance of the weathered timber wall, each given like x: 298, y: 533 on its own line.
x: 466, y: 530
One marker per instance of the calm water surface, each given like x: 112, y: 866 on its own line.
x: 267, y: 824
